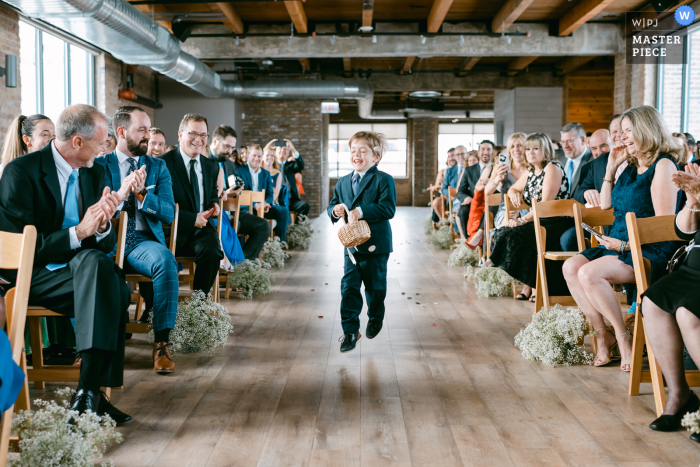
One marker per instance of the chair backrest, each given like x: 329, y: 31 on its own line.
x: 643, y: 231
x: 594, y: 217
x: 233, y: 204
x: 170, y: 230
x: 510, y: 208
x: 492, y: 200
x: 554, y: 208
x: 249, y: 198
x: 120, y: 224
x: 452, y: 192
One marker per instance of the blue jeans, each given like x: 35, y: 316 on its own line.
x: 152, y: 259
x: 281, y: 215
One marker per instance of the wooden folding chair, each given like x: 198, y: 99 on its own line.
x: 452, y: 192
x: 543, y: 210
x: 232, y: 204
x: 39, y: 373
x: 509, y: 208
x: 594, y: 217
x: 643, y: 231
x: 491, y: 200
x: 170, y: 231
x: 16, y: 252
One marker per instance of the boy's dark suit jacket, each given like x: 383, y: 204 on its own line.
x: 182, y: 191
x: 30, y: 194
x: 592, y: 175
x: 377, y: 199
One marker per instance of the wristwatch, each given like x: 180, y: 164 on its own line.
x: 142, y: 194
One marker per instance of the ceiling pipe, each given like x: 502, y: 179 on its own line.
x: 132, y: 37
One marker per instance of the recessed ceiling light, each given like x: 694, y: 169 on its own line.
x: 425, y: 94
x: 267, y: 94
x: 365, y: 29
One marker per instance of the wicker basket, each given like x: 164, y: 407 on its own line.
x: 354, y: 233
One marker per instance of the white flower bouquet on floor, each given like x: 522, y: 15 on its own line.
x: 442, y: 237
x: 462, y: 255
x: 201, y: 325
x: 299, y: 233
x: 554, y: 335
x: 490, y: 281
x: 47, y: 440
x: 273, y: 252
x: 251, y: 278
x: 428, y: 225
x: 691, y: 421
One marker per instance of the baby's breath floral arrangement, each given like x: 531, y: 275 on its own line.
x: 691, y: 421
x: 553, y: 337
x: 201, y: 325
x: 490, y: 281
x: 442, y: 237
x: 47, y: 440
x: 273, y: 252
x: 299, y: 233
x: 428, y: 225
x: 251, y: 278
x: 463, y: 256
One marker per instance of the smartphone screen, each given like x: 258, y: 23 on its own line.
x: 280, y: 143
x: 589, y: 229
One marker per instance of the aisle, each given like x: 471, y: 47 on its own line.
x: 442, y: 384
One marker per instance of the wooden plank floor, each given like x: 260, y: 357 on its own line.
x: 442, y: 385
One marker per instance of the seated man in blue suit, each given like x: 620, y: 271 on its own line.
x: 258, y: 179
x: 144, y: 183
x: 367, y: 194
x: 453, y: 176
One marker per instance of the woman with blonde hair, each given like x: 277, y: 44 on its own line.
x: 25, y: 135
x: 646, y: 188
x: 514, y: 247
x: 269, y: 163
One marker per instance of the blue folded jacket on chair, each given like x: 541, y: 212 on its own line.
x: 11, y: 375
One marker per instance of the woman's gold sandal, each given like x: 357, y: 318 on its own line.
x: 613, y: 352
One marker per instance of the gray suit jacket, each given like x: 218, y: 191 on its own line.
x: 585, y: 159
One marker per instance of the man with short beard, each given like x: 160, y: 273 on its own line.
x: 144, y: 183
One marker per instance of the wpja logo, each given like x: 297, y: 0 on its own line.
x: 684, y: 15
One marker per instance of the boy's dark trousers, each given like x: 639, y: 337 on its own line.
x: 370, y: 270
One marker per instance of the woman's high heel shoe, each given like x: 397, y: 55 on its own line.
x: 673, y: 422
x: 481, y: 242
x: 613, y: 352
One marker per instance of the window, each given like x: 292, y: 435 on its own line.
x: 468, y: 135
x: 55, y: 74
x: 394, y: 162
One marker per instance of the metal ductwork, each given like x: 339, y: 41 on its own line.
x: 132, y: 37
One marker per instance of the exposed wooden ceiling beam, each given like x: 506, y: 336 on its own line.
x: 508, y: 14
x: 305, y: 64
x: 233, y: 22
x: 517, y: 64
x: 404, y: 95
x: 579, y: 14
x: 437, y: 14
x: 570, y: 64
x: 469, y: 63
x: 296, y: 11
x: 347, y: 66
x: 407, y: 64
x: 367, y: 12
x: 148, y: 9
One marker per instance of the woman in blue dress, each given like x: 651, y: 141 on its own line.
x: 645, y: 188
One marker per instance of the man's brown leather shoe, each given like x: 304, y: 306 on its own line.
x: 162, y: 360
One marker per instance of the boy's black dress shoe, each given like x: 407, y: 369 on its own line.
x: 373, y: 328
x: 349, y: 341
x: 106, y: 408
x: 673, y: 422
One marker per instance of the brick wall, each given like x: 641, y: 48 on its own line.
x: 423, y: 141
x: 302, y: 123
x: 10, y: 99
x: 108, y: 78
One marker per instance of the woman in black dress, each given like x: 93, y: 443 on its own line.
x: 671, y: 310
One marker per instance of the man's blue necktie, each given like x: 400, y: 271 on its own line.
x: 130, y: 208
x: 355, y: 183
x: 71, y: 216
x: 570, y: 173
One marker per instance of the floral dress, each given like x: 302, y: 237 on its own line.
x: 515, y: 248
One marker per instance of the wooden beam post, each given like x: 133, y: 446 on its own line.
x: 347, y: 66
x: 579, y: 14
x: 305, y: 64
x: 296, y: 11
x: 437, y: 14
x: 508, y: 14
x: 570, y: 64
x: 518, y: 64
x: 367, y: 13
x: 407, y: 64
x: 233, y: 22
x: 148, y: 9
x: 468, y: 63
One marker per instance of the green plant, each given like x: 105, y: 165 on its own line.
x: 553, y: 337
x: 273, y: 252
x: 299, y: 233
x: 201, y: 325
x: 47, y: 440
x: 442, y: 237
x: 251, y: 278
x: 489, y: 281
x: 463, y: 256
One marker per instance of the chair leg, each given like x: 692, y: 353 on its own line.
x: 657, y: 382
x: 37, y: 348
x: 22, y: 402
x: 5, y: 426
x: 539, y: 292
x: 638, y: 341
x: 514, y: 285
x: 228, y: 290
x: 139, y: 307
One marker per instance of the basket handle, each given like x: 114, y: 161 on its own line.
x: 347, y: 211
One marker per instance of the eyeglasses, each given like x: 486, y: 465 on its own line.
x: 569, y: 141
x: 460, y: 154
x: 228, y: 147
x: 193, y: 135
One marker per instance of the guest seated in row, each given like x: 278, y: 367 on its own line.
x: 599, y: 143
x: 25, y: 135
x: 280, y: 194
x: 290, y: 163
x: 241, y: 157
x: 576, y: 156
x: 438, y: 203
x: 472, y: 158
x: 65, y: 196
x: 467, y: 184
x: 194, y: 177
x: 514, y: 246
x: 258, y: 179
x: 156, y: 144
x: 645, y: 188
x: 145, y: 185
x: 671, y: 309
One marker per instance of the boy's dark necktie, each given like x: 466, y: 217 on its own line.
x: 355, y: 183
